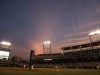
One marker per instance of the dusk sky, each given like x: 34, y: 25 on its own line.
x: 28, y: 23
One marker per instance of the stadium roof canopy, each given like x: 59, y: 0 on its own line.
x: 81, y: 46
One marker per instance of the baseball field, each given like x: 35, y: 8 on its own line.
x: 47, y: 71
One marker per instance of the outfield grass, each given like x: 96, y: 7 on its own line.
x: 48, y: 71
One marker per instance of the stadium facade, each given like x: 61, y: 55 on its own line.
x: 81, y: 56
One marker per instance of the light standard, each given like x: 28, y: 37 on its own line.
x: 93, y: 33
x: 45, y: 44
x: 4, y: 44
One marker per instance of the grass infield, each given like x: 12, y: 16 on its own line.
x: 47, y: 71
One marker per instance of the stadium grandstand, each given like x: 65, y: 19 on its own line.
x: 78, y: 56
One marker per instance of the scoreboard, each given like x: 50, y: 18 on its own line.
x: 4, y: 55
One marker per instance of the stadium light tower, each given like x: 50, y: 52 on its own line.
x: 44, y: 45
x: 96, y: 32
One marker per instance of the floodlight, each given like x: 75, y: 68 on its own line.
x: 94, y: 32
x: 47, y: 42
x: 5, y: 43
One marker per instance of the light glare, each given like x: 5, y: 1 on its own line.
x: 47, y: 42
x: 95, y: 32
x: 5, y: 43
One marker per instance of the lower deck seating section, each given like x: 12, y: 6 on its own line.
x: 79, y: 59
